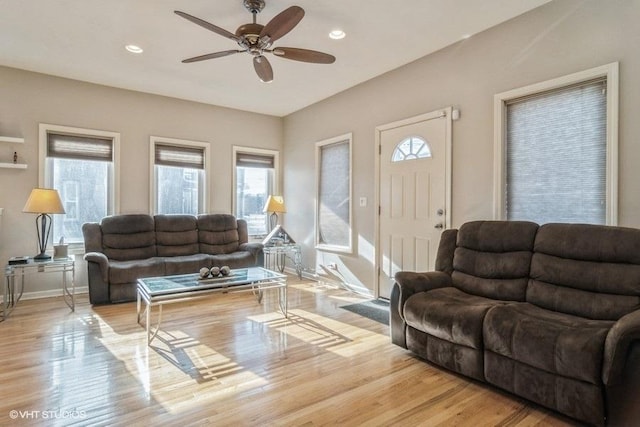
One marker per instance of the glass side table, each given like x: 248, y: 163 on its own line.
x: 12, y: 291
x: 275, y: 257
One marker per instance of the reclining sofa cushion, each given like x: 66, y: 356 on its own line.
x: 128, y: 237
x: 218, y: 234
x: 176, y: 235
x: 492, y: 258
x: 557, y: 343
x: 449, y: 314
x: 586, y: 270
x: 130, y: 271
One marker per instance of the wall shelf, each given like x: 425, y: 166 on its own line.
x: 11, y: 140
x: 13, y: 165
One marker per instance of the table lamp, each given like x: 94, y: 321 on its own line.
x: 43, y: 201
x: 274, y: 205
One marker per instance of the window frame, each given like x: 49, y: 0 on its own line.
x: 203, y: 199
x: 44, y: 175
x: 348, y: 139
x: 608, y: 71
x: 236, y: 149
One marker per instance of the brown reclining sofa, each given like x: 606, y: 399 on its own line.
x: 550, y: 313
x: 123, y: 248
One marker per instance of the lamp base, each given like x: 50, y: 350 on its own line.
x: 42, y: 257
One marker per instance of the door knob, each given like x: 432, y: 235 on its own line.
x: 439, y: 226
x: 440, y: 212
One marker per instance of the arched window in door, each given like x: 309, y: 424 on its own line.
x: 411, y: 148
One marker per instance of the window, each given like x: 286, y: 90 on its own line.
x: 333, y: 214
x: 82, y: 165
x: 179, y: 171
x: 556, y: 148
x: 411, y: 148
x: 255, y: 178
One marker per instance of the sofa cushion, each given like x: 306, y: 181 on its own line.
x: 176, y: 235
x: 557, y: 343
x: 239, y: 259
x: 128, y: 237
x: 449, y: 314
x: 492, y: 258
x: 131, y: 271
x: 218, y: 234
x: 186, y: 264
x: 586, y: 270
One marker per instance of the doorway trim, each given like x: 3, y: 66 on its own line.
x: 442, y: 112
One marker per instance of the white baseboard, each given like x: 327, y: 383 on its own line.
x: 52, y: 293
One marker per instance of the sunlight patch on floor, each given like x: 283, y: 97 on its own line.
x: 203, y: 375
x: 332, y: 335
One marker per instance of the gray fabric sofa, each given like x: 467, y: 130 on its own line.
x: 122, y: 248
x: 550, y: 313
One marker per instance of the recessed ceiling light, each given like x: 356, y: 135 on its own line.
x: 133, y: 48
x: 337, y: 34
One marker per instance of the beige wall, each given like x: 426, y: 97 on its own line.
x: 27, y: 99
x: 559, y: 38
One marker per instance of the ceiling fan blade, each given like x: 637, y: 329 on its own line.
x: 282, y: 23
x: 211, y: 56
x: 304, y: 55
x: 263, y: 68
x: 208, y: 26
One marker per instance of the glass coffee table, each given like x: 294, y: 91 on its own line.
x: 157, y: 291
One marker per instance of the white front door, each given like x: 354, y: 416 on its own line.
x: 413, y: 194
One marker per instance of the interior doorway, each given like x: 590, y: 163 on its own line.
x: 414, y: 194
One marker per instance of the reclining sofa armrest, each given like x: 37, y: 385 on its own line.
x: 255, y: 249
x: 98, y: 277
x: 409, y: 283
x: 621, y: 337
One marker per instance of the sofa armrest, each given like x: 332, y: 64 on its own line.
x: 102, y: 261
x: 98, y: 277
x: 255, y: 249
x: 622, y: 335
x: 409, y: 283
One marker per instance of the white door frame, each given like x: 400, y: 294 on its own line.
x: 443, y: 112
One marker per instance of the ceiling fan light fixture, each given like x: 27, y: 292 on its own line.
x: 337, y: 34
x: 134, y: 48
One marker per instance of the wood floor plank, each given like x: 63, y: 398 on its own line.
x: 228, y: 360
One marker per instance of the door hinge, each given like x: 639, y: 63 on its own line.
x: 379, y: 210
x: 380, y: 150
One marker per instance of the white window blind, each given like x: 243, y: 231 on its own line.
x: 557, y: 155
x: 251, y: 160
x: 334, y: 196
x: 179, y: 156
x: 79, y: 147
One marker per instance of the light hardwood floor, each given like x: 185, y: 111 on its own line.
x: 229, y: 361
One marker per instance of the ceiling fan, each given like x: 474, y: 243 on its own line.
x: 256, y: 39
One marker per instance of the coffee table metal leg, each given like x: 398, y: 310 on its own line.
x: 282, y: 297
x: 138, y: 306
x: 151, y: 336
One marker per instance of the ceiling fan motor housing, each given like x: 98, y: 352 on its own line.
x: 254, y: 6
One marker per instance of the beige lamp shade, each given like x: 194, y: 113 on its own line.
x: 274, y: 204
x: 44, y: 200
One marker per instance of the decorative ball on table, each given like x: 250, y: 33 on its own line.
x: 204, y: 272
x: 215, y: 271
x: 225, y: 270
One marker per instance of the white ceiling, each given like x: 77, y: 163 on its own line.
x: 85, y: 39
